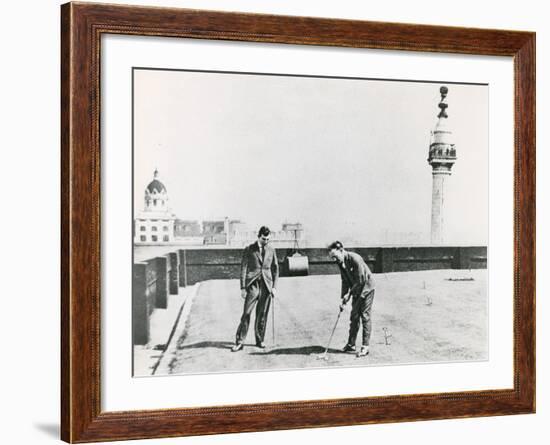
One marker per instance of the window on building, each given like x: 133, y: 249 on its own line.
x: 154, y: 238
x: 165, y: 228
x: 165, y: 238
x: 143, y: 238
x: 142, y: 228
x: 154, y: 228
x: 154, y: 202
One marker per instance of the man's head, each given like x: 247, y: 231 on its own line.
x: 264, y: 234
x: 336, y: 251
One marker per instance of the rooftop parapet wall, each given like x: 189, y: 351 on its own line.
x: 210, y: 264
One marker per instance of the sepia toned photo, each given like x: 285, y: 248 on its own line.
x: 296, y: 222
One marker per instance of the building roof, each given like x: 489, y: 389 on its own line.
x: 156, y: 185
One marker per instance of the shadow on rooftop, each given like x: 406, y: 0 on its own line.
x: 211, y: 344
x: 301, y: 350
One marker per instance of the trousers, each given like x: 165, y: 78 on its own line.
x: 361, y: 314
x: 257, y: 295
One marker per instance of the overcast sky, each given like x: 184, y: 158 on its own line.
x: 347, y: 158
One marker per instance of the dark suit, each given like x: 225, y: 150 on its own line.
x: 259, y: 275
x: 357, y: 278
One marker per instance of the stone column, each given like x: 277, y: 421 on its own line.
x: 441, y: 157
x: 438, y: 207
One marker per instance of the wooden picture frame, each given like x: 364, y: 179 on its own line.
x: 82, y: 26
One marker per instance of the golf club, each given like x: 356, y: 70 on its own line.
x: 324, y: 356
x: 273, y: 317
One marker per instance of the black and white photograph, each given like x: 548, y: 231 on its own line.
x: 237, y: 222
x: 293, y: 222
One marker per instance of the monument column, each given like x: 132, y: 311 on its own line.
x: 442, y: 156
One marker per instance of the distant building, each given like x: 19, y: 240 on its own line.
x: 235, y: 227
x: 290, y: 235
x: 214, y: 232
x: 185, y: 228
x: 155, y: 224
x: 188, y: 232
x: 294, y: 231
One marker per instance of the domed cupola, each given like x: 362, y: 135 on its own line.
x: 156, y: 196
x: 155, y: 185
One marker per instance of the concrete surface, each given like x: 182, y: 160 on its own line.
x: 418, y: 317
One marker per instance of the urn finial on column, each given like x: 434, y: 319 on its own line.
x: 443, y: 104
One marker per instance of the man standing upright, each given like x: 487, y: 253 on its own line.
x: 259, y: 274
x: 357, y: 282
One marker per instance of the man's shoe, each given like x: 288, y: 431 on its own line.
x: 260, y: 345
x: 237, y: 347
x: 349, y: 348
x: 363, y: 352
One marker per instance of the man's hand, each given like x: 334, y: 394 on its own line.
x: 343, y: 304
x: 345, y: 300
x: 243, y: 293
x: 273, y: 292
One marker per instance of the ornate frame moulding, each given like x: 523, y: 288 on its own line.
x: 82, y: 25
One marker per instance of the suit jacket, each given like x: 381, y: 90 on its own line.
x: 356, y: 275
x: 253, y: 267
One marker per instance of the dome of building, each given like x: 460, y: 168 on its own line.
x: 155, y: 185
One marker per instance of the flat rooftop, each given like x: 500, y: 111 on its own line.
x: 417, y: 317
